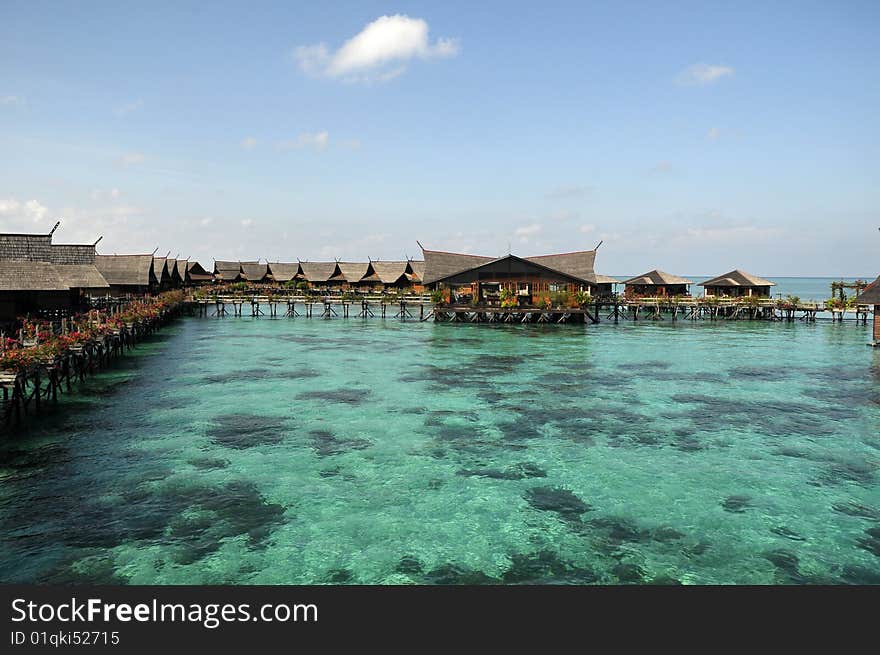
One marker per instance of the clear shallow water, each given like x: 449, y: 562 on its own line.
x: 310, y: 451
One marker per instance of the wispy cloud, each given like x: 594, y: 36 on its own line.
x: 703, y: 74
x: 248, y: 222
x: 587, y: 229
x: 129, y: 107
x: 248, y: 143
x: 378, y: 53
x: 527, y: 232
x: 312, y: 140
x: 574, y: 191
x: 31, y: 211
x: 131, y: 159
x: 713, y: 134
x: 103, y: 194
x: 661, y: 167
x: 11, y: 100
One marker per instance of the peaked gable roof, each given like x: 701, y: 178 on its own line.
x: 390, y: 272
x: 440, y: 265
x: 283, y: 272
x: 870, y: 295
x: 254, y: 271
x: 227, y: 271
x: 577, y: 265
x: 319, y: 271
x: 126, y: 270
x: 737, y: 278
x: 657, y: 277
x: 354, y: 271
x: 418, y: 270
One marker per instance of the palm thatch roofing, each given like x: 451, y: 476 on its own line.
x: 390, y: 272
x: 195, y: 272
x: 227, y: 271
x: 81, y: 276
x: 254, y: 271
x: 26, y: 247
x: 319, y: 271
x: 737, y: 278
x: 354, y: 272
x: 418, y: 270
x: 126, y: 270
x: 171, y: 267
x: 441, y: 265
x: 604, y: 279
x: 160, y: 268
x: 657, y: 278
x: 23, y: 275
x: 68, y: 253
x: 283, y: 272
x: 870, y: 294
x: 181, y: 267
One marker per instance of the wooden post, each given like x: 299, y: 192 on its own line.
x: 877, y: 323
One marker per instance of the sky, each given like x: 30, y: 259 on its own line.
x: 691, y: 137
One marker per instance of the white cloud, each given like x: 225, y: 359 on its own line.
x: 526, y: 232
x: 662, y: 167
x: 206, y: 221
x: 586, y: 229
x: 314, y: 140
x: 129, y: 107
x: 132, y: 158
x: 702, y: 74
x: 714, y: 133
x: 248, y: 222
x: 11, y: 100
x: 379, y: 52
x: 29, y: 210
x: 249, y: 143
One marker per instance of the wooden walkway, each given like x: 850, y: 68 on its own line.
x: 25, y: 392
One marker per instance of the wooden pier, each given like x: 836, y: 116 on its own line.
x: 25, y: 392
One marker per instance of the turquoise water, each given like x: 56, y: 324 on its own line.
x: 312, y: 451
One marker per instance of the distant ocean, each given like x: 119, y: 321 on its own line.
x: 805, y: 288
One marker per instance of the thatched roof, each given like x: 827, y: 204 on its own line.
x: 195, y: 272
x: 439, y: 264
x: 418, y: 270
x: 283, y: 272
x: 26, y: 247
x: 354, y: 271
x: 390, y: 272
x: 126, y: 270
x: 171, y: 267
x: 68, y: 253
x: 737, y: 278
x: 81, y: 276
x: 227, y: 271
x: 870, y: 295
x: 181, y: 267
x: 30, y: 276
x: 576, y: 264
x: 319, y: 271
x: 604, y: 279
x: 160, y: 268
x: 254, y: 271
x: 657, y: 278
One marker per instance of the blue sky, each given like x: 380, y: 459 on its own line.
x: 693, y: 137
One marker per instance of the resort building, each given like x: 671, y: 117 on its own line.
x: 479, y: 279
x: 391, y: 275
x: 321, y: 275
x: 354, y: 274
x: 196, y: 274
x: 255, y: 271
x: 283, y: 272
x: 160, y: 268
x: 173, y: 273
x: 45, y: 279
x: 871, y: 296
x: 227, y: 271
x: 128, y: 274
x: 737, y: 284
x: 656, y: 284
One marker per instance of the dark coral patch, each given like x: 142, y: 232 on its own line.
x: 326, y: 443
x: 736, y: 504
x: 453, y: 574
x: 545, y: 567
x: 515, y: 472
x: 341, y: 396
x: 242, y: 431
x: 560, y: 501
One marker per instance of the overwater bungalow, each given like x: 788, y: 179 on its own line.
x: 196, y: 274
x: 39, y: 277
x: 160, y: 268
x: 607, y: 286
x: 656, y: 284
x: 227, y: 271
x: 392, y: 275
x: 321, y: 275
x: 480, y: 279
x: 418, y: 272
x: 128, y: 274
x: 173, y: 275
x: 255, y: 272
x: 283, y: 272
x: 737, y: 284
x: 354, y: 274
x: 871, y: 296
